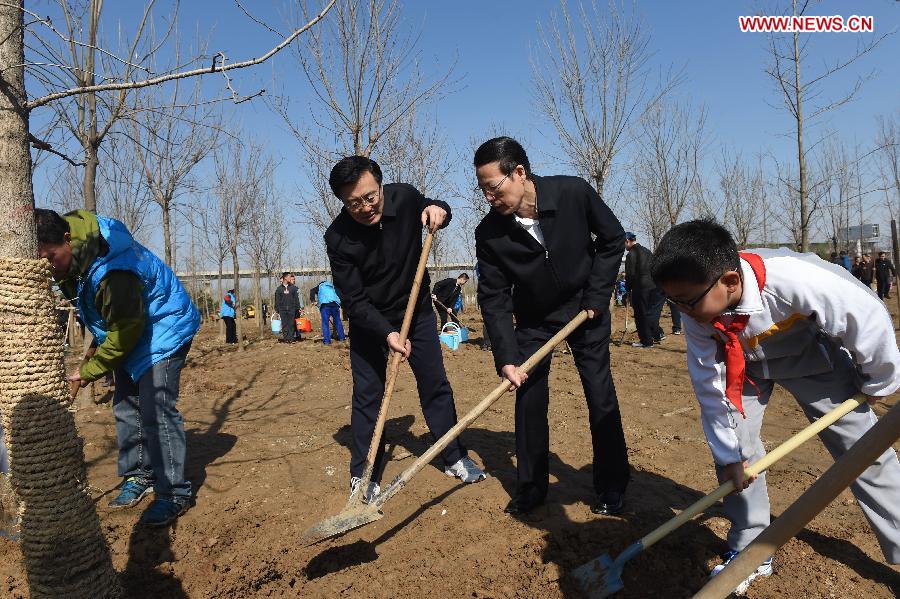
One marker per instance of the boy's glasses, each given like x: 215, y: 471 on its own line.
x: 689, y: 304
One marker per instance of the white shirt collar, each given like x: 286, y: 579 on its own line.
x: 751, y: 298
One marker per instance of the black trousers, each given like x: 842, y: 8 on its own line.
x: 883, y: 286
x: 657, y: 301
x: 590, y: 348
x: 642, y: 302
x: 288, y: 324
x: 368, y: 363
x: 230, y: 329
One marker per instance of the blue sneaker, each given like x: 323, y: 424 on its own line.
x: 764, y: 570
x: 132, y: 492
x: 162, y: 512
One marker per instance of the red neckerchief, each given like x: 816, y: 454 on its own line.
x: 735, y: 366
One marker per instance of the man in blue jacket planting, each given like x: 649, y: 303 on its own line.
x: 143, y: 322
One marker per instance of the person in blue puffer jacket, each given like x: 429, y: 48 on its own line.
x: 329, y: 304
x: 143, y: 322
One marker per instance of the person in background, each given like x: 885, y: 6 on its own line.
x: 287, y: 302
x: 844, y: 260
x: 448, y: 292
x: 646, y: 299
x: 227, y: 312
x: 325, y: 296
x: 856, y: 269
x: 884, y: 273
x: 866, y: 270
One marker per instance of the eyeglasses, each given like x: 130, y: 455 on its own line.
x: 370, y: 199
x: 689, y: 304
x: 491, y: 190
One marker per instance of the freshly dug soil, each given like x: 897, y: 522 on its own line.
x: 267, y: 433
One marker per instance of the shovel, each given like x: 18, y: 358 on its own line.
x: 602, y: 576
x: 625, y: 328
x: 448, y: 312
x: 357, y: 498
x: 357, y: 514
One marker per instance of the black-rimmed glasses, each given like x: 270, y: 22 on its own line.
x: 689, y: 304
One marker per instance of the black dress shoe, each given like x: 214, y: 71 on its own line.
x: 611, y: 503
x: 523, y: 503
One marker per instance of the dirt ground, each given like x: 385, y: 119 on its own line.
x: 267, y: 433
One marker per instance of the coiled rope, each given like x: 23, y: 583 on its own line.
x: 63, y: 548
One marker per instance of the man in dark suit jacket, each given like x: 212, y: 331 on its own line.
x: 549, y: 248
x: 374, y: 246
x: 447, y: 291
x: 646, y: 299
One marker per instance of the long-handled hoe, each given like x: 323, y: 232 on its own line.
x: 357, y: 514
x: 356, y: 507
x: 602, y: 576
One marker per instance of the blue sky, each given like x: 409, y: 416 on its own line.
x: 491, y: 43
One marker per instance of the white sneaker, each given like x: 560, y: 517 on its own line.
x: 764, y: 570
x: 466, y: 470
x: 639, y: 344
x: 371, y: 492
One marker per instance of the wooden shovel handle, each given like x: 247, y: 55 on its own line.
x: 397, y: 357
x: 448, y: 312
x: 478, y: 410
x: 756, y: 468
x: 815, y: 499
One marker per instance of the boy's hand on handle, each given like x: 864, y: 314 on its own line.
x: 433, y: 217
x: 515, y: 377
x: 393, y: 341
x: 735, y: 472
x: 591, y: 313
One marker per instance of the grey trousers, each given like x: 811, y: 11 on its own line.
x: 877, y: 490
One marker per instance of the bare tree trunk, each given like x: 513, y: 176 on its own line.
x: 90, y: 177
x: 257, y: 292
x: 167, y: 239
x: 46, y: 458
x: 237, y: 297
x: 219, y: 300
x: 801, y: 151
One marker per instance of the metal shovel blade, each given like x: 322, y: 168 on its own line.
x: 600, y: 577
x: 352, y: 516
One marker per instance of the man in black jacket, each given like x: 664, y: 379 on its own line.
x: 549, y: 248
x: 884, y: 270
x: 374, y: 246
x: 447, y: 291
x: 646, y: 299
x: 287, y: 302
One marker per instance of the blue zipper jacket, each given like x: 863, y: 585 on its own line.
x: 327, y: 294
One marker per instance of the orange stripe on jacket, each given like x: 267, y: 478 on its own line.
x: 778, y: 327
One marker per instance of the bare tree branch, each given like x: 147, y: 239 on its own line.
x: 180, y: 75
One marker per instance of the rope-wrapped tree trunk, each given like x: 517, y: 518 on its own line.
x: 64, y: 551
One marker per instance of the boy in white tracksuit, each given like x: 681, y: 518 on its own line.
x: 776, y: 316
